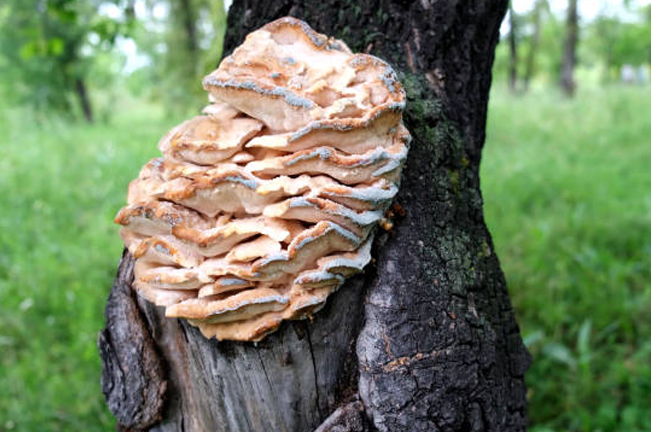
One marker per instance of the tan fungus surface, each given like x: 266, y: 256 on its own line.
x: 262, y: 206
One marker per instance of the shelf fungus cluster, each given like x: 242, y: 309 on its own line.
x: 263, y: 205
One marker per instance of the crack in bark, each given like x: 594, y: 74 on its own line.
x: 314, y: 368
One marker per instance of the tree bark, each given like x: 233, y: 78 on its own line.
x: 513, y: 50
x: 426, y: 340
x: 569, y: 53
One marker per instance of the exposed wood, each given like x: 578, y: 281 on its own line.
x: 424, y: 341
x: 290, y: 381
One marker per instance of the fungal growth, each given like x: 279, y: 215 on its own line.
x: 262, y: 206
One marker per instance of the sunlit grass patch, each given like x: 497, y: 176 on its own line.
x: 61, y: 184
x: 567, y: 191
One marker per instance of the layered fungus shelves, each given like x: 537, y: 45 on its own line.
x: 262, y: 206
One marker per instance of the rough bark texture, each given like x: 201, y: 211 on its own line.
x: 424, y: 341
x: 133, y: 380
x: 569, y: 53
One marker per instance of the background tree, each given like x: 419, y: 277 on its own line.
x: 513, y: 49
x: 428, y: 340
x: 569, y: 51
x: 539, y: 51
x: 530, y: 63
x: 182, y: 43
x: 49, y: 54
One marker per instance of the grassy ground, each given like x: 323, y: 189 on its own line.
x: 567, y: 188
x: 568, y: 200
x: 60, y: 185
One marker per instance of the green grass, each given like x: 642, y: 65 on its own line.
x: 61, y: 185
x: 568, y: 200
x: 567, y: 189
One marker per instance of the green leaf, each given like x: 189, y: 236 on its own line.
x: 533, y: 338
x: 55, y: 46
x: 29, y: 50
x: 583, y: 339
x: 560, y: 353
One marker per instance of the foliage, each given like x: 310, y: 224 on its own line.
x: 567, y: 199
x: 49, y: 47
x: 47, y: 50
x: 606, y: 42
x: 181, y: 58
x: 617, y: 43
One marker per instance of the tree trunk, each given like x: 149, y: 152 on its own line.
x: 533, y: 48
x: 426, y: 340
x: 513, y: 50
x: 188, y: 18
x: 569, y: 53
x: 130, y: 10
x: 84, y: 101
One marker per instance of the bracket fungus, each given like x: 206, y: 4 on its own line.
x: 262, y: 206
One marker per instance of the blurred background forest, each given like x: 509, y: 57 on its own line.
x: 88, y: 87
